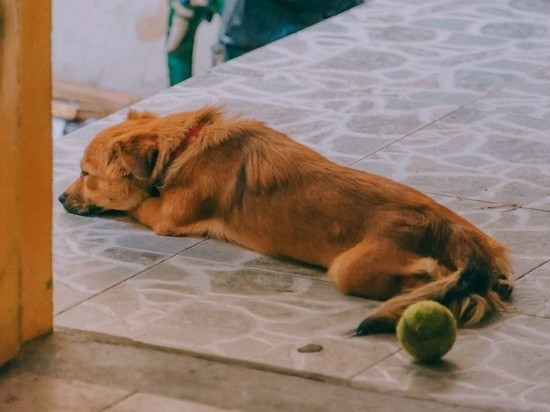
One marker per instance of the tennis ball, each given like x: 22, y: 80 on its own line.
x: 427, y: 330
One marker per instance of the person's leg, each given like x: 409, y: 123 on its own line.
x: 182, y: 28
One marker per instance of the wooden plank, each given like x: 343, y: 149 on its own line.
x: 91, y: 98
x: 78, y: 111
x: 64, y: 110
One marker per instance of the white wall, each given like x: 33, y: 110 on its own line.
x: 117, y: 44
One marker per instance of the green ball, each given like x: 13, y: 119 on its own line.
x: 427, y: 330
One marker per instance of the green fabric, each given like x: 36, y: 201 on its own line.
x: 180, y: 60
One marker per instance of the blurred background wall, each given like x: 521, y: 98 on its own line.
x: 118, y: 44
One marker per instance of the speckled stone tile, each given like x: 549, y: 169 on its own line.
x: 216, y: 251
x: 496, y: 149
x: 93, y: 254
x: 504, y: 365
x: 532, y: 295
x: 237, y: 312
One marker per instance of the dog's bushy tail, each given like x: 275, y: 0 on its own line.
x: 473, y: 292
x: 476, y: 293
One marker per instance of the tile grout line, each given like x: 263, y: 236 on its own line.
x: 128, y: 278
x: 511, y: 206
x: 489, y: 93
x: 118, y: 340
x: 419, y: 129
x: 119, y: 401
x: 168, y: 257
x: 344, y: 382
x: 533, y: 269
x: 400, y: 393
x: 375, y: 364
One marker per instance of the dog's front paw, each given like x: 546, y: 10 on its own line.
x: 374, y: 326
x: 165, y: 232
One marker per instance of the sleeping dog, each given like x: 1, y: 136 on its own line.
x: 198, y: 173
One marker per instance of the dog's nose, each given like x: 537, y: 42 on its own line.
x: 62, y: 198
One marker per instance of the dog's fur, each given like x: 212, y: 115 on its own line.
x: 196, y: 173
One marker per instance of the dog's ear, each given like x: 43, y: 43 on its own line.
x: 133, y: 158
x: 134, y: 114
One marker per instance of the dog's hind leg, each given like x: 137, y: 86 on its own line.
x: 380, y: 270
x: 472, y: 292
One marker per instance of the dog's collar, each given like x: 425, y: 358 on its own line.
x: 186, y: 140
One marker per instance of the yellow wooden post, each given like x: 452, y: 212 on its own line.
x: 25, y: 173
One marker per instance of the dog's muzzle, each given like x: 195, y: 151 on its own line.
x: 78, y: 208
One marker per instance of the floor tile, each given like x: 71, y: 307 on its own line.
x: 532, y: 294
x: 92, y: 254
x: 492, y: 150
x: 236, y: 312
x: 217, y: 251
x: 503, y: 366
x: 30, y: 392
x: 173, y: 379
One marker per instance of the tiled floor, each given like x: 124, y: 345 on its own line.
x: 452, y: 97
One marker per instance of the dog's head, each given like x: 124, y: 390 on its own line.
x: 116, y: 168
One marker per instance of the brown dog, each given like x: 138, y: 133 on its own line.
x: 197, y: 173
